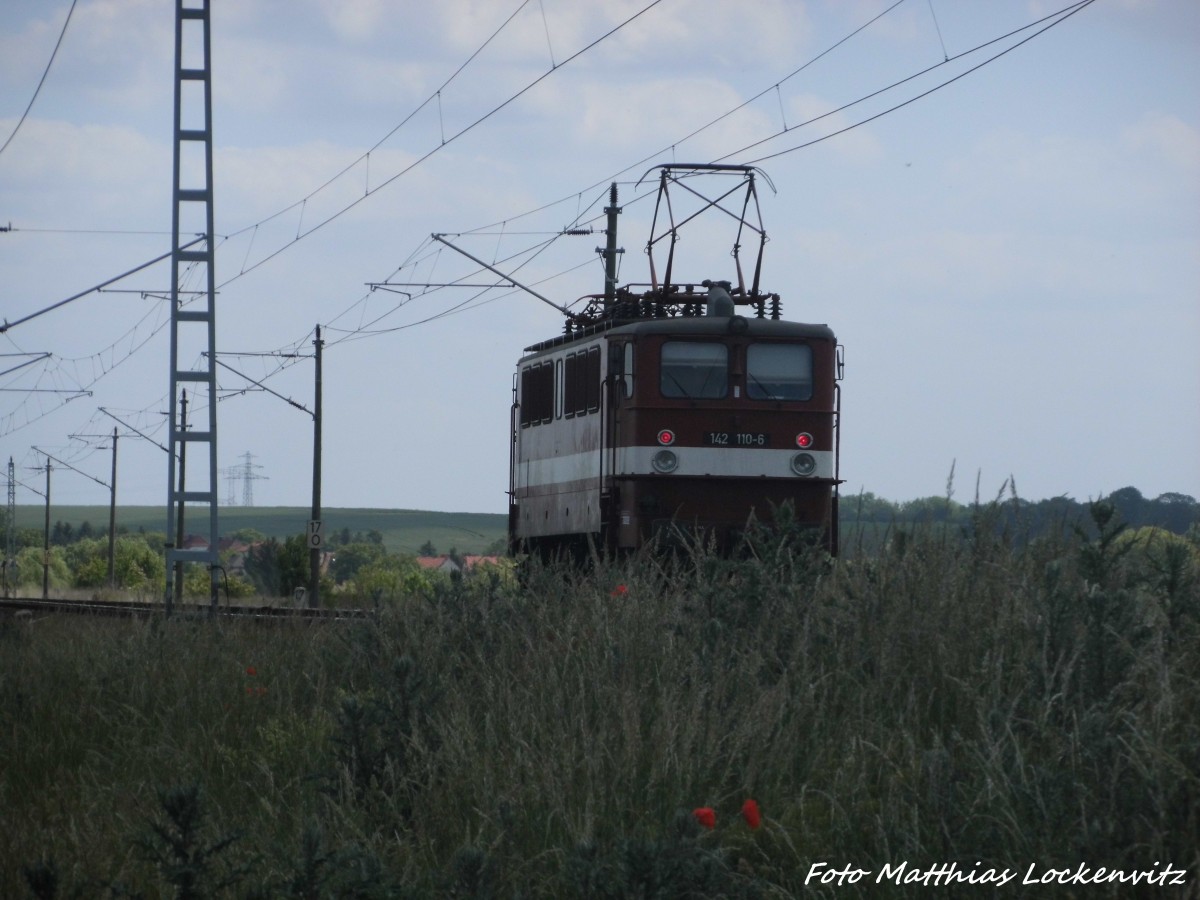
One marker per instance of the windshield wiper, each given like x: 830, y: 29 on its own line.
x: 762, y: 387
x: 675, y: 381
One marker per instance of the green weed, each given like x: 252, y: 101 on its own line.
x: 967, y: 693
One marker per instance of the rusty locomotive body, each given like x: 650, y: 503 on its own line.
x: 669, y: 409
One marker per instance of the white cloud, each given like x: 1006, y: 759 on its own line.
x: 741, y: 35
x: 1098, y: 184
x: 648, y: 115
x: 356, y: 20
x: 124, y: 171
x: 1175, y: 143
x: 24, y: 49
x: 1048, y: 204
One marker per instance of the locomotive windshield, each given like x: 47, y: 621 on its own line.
x: 779, y: 372
x: 700, y: 371
x: 694, y: 370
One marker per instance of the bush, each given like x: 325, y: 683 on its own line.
x: 29, y: 569
x: 136, y: 565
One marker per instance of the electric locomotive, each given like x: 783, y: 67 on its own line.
x: 675, y: 407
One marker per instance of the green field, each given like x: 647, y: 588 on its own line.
x: 959, y: 698
x: 403, y: 530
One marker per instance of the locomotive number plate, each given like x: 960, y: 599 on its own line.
x: 737, y: 439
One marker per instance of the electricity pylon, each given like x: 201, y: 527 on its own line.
x: 248, y: 476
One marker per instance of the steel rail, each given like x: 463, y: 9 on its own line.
x: 14, y: 606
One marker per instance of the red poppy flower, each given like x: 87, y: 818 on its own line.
x: 620, y: 591
x: 706, y: 816
x: 751, y: 814
x: 250, y: 670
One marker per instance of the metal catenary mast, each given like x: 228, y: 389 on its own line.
x: 193, y: 330
x: 10, y: 548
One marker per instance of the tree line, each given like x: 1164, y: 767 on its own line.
x: 359, y: 565
x: 1173, y: 512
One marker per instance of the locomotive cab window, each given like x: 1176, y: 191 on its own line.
x: 537, y: 394
x: 694, y: 370
x: 779, y: 372
x: 620, y: 368
x: 558, y: 389
x: 627, y: 370
x: 581, y: 384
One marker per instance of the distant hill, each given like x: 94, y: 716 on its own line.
x: 864, y: 519
x: 403, y: 530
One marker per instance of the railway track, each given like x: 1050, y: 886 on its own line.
x: 29, y: 606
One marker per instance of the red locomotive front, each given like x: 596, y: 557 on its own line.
x: 722, y: 417
x: 666, y: 412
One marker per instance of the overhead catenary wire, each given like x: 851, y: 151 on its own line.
x: 8, y: 422
x: 473, y: 302
x: 414, y: 259
x: 366, y: 329
x: 37, y: 357
x: 99, y: 363
x: 436, y: 95
x: 941, y: 40
x: 717, y: 119
x: 641, y: 163
x: 635, y: 166
x: 85, y: 231
x: 446, y: 141
x: 1052, y: 19
x: 1047, y: 22
x: 300, y: 234
x: 42, y: 80
x: 6, y: 325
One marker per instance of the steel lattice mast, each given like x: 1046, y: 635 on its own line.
x: 193, y: 330
x: 10, y: 548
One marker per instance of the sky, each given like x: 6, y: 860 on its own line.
x: 1011, y: 260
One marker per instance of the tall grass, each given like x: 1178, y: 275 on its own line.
x: 954, y: 698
